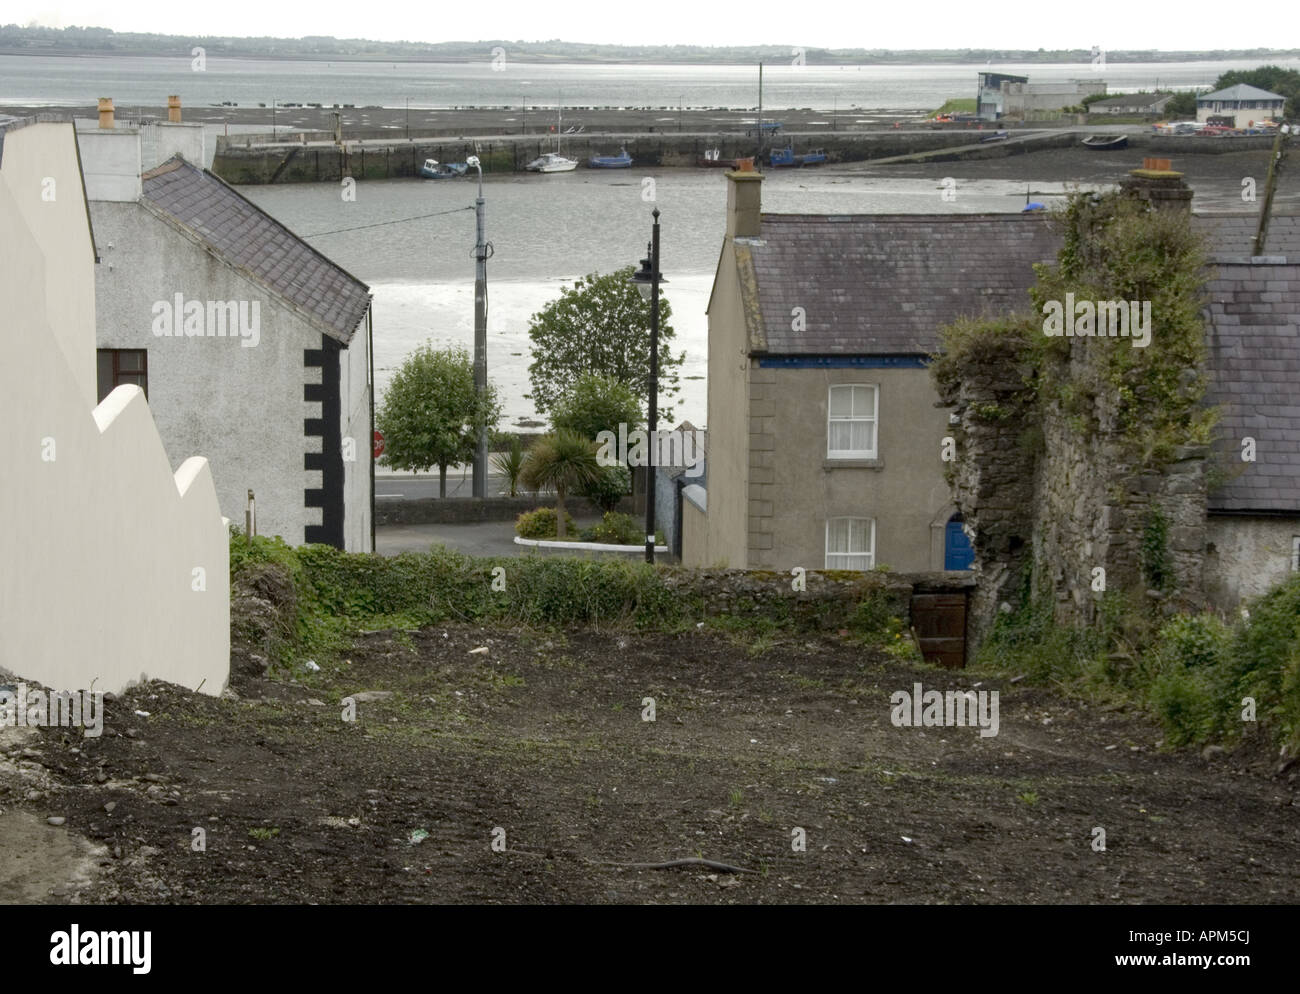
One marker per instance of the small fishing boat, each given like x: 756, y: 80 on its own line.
x: 433, y: 169
x: 786, y: 157
x: 620, y: 161
x: 712, y: 159
x: 1104, y: 143
x: 997, y: 136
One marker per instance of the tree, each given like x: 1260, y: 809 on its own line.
x: 564, y: 461
x: 1183, y: 104
x: 432, y: 414
x: 1275, y: 79
x: 595, y: 404
x: 601, y: 325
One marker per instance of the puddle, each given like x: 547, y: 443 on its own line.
x: 42, y: 863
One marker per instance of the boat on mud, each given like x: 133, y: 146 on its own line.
x: 620, y: 161
x: 433, y: 169
x: 786, y: 157
x: 1105, y: 143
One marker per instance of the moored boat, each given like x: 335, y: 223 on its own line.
x: 1106, y: 142
x: 786, y: 157
x: 433, y: 169
x: 620, y: 161
x: 552, y: 162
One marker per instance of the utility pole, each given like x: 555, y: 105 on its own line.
x: 481, y: 252
x: 1270, y: 185
x: 759, y: 160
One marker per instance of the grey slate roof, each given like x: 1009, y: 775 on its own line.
x: 1254, y: 360
x: 1232, y: 236
x: 883, y: 284
x: 1242, y: 91
x: 251, y: 240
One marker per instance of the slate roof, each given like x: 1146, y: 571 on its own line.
x: 249, y: 239
x: 1242, y: 91
x: 1232, y: 236
x: 883, y: 284
x: 1254, y: 360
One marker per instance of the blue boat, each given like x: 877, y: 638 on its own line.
x: 786, y: 157
x: 433, y: 169
x: 620, y: 161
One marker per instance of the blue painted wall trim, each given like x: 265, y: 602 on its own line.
x: 843, y: 362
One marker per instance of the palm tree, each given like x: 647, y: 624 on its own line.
x: 510, y: 464
x: 563, y: 460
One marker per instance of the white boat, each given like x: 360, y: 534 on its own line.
x: 553, y: 162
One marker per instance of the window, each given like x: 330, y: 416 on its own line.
x: 851, y: 422
x: 851, y: 543
x: 118, y: 366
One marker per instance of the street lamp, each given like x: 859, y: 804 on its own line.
x: 647, y: 280
x: 481, y: 252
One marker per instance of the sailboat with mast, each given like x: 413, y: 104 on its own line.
x: 554, y: 162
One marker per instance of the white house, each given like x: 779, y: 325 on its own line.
x: 115, y: 568
x: 1247, y: 105
x: 253, y: 347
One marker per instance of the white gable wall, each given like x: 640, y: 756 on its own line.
x: 115, y: 569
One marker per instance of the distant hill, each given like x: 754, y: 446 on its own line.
x: 102, y: 41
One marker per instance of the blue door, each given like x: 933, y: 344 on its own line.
x: 957, y: 553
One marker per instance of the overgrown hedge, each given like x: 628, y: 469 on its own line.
x: 1193, y: 672
x: 338, y: 592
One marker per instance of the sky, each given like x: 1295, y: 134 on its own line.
x: 1006, y: 24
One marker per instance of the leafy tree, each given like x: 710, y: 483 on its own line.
x: 564, y: 461
x: 1275, y: 79
x: 431, y: 414
x: 601, y: 325
x: 1182, y: 105
x: 597, y: 403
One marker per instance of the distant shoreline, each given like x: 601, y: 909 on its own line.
x: 566, y: 60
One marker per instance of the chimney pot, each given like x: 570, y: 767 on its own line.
x: 106, y: 113
x: 174, y: 109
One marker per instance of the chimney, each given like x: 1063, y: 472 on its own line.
x: 174, y: 110
x: 106, y: 113
x: 1158, y: 185
x: 744, y: 202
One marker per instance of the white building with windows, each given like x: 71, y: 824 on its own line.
x: 1246, y: 105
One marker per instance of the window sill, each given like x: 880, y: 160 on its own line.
x: 829, y: 464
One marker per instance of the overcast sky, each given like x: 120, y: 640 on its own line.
x: 1031, y: 24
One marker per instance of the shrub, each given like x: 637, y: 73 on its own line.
x: 540, y: 523
x: 610, y: 487
x: 618, y: 529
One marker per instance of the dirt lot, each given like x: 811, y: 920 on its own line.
x: 543, y: 736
